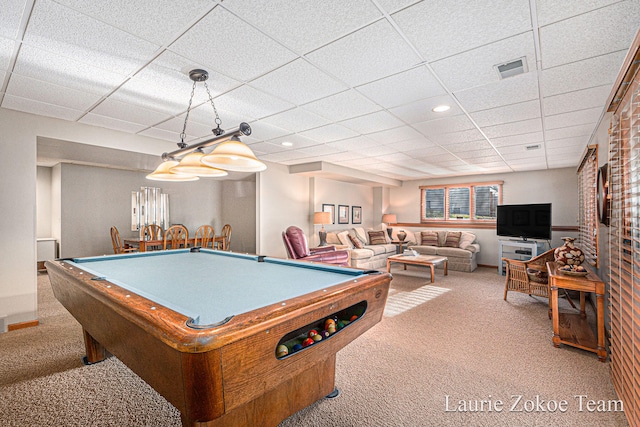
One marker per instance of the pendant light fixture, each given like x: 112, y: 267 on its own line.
x: 230, y: 155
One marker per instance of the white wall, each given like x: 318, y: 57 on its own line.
x: 43, y: 202
x: 555, y: 186
x: 238, y: 209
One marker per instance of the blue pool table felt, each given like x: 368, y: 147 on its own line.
x: 210, y: 286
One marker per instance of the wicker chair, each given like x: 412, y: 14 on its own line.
x: 528, y: 277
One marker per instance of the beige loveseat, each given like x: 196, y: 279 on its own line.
x: 369, y: 256
x: 462, y: 253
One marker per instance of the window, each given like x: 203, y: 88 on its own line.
x: 587, y: 202
x: 476, y: 202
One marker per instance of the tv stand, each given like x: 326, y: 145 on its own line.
x: 517, y: 249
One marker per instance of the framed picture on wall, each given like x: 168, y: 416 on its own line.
x: 343, y: 214
x: 356, y: 214
x: 332, y: 210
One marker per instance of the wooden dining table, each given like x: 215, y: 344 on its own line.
x: 146, y: 245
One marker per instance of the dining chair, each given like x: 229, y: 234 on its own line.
x: 226, y: 234
x: 116, y: 241
x: 153, y: 232
x: 205, y: 235
x: 175, y: 237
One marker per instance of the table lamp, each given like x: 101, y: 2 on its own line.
x: 389, y: 219
x: 322, y: 218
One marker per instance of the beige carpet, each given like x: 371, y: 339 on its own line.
x: 455, y: 338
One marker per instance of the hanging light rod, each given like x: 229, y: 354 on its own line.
x: 243, y: 129
x: 230, y: 155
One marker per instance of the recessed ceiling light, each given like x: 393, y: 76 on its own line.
x: 287, y: 144
x: 441, y: 108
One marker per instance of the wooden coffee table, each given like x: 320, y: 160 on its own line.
x: 425, y: 260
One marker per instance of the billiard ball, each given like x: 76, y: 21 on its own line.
x: 297, y: 347
x: 354, y: 317
x: 312, y: 333
x: 331, y: 328
x: 282, y: 350
x: 340, y: 324
x: 325, y: 334
x: 317, y: 337
x: 329, y: 322
x: 307, y: 342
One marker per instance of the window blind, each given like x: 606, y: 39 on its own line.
x: 588, y: 205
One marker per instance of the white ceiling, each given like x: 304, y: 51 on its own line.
x: 352, y: 83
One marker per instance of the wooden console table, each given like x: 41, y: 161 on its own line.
x: 572, y: 328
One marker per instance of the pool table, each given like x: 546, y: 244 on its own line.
x: 206, y: 328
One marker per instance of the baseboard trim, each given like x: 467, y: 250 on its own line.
x: 22, y: 325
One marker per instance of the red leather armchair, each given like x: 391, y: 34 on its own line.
x: 297, y: 248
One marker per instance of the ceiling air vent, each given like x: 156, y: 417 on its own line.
x: 532, y: 147
x: 512, y: 68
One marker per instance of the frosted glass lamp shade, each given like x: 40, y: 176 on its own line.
x: 163, y: 173
x: 191, y: 164
x: 233, y: 155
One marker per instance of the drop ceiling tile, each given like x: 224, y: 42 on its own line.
x: 457, y: 137
x: 298, y: 141
x: 283, y: 156
x: 194, y: 130
x: 360, y: 162
x: 299, y: 82
x: 394, y: 5
x: 574, y: 118
x: 70, y: 34
x: 164, y: 85
x: 601, y: 70
x: 507, y: 114
x: 561, y: 145
x: 550, y: 11
x: 25, y: 87
x: 479, y: 156
x: 594, y: 33
x: 49, y: 67
x: 521, y: 150
x: 329, y: 133
x: 470, y: 146
x: 433, y: 155
x: 368, y: 54
x: 529, y: 138
x: 232, y: 41
x: 396, y: 135
x: 319, y: 150
x: 512, y: 90
x: 412, y: 144
x: 121, y: 125
x: 250, y: 103
x: 428, y: 25
x: 476, y: 67
x: 205, y: 115
x: 269, y: 148
x: 525, y: 167
x: 305, y: 25
x: 342, y: 106
x: 6, y: 50
x: 571, y: 132
x: 380, y: 150
x: 11, y: 16
x: 40, y: 108
x: 578, y: 100
x: 371, y: 123
x: 444, y: 125
x: 128, y: 112
x: 524, y: 156
x: 423, y: 110
x: 339, y: 158
x: 355, y: 143
x: 264, y: 131
x: 161, y: 22
x: 514, y: 128
x: 296, y: 120
x: 403, y: 88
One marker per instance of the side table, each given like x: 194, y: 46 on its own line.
x: 572, y: 328
x: 400, y: 245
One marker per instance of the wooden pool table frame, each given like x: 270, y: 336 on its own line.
x: 227, y: 375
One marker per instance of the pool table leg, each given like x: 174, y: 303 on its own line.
x: 95, y: 351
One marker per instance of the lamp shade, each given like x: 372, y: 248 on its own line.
x: 190, y: 164
x: 322, y: 218
x: 389, y: 218
x: 233, y: 155
x: 163, y: 173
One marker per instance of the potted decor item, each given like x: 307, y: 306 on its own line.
x: 568, y: 254
x: 402, y: 235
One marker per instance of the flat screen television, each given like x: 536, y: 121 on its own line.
x: 531, y: 221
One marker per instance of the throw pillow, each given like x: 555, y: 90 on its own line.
x: 361, y: 234
x: 466, y: 239
x: 343, y: 236
x: 332, y: 238
x: 356, y: 242
x: 377, y: 237
x: 537, y: 276
x: 429, y: 238
x: 453, y: 239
